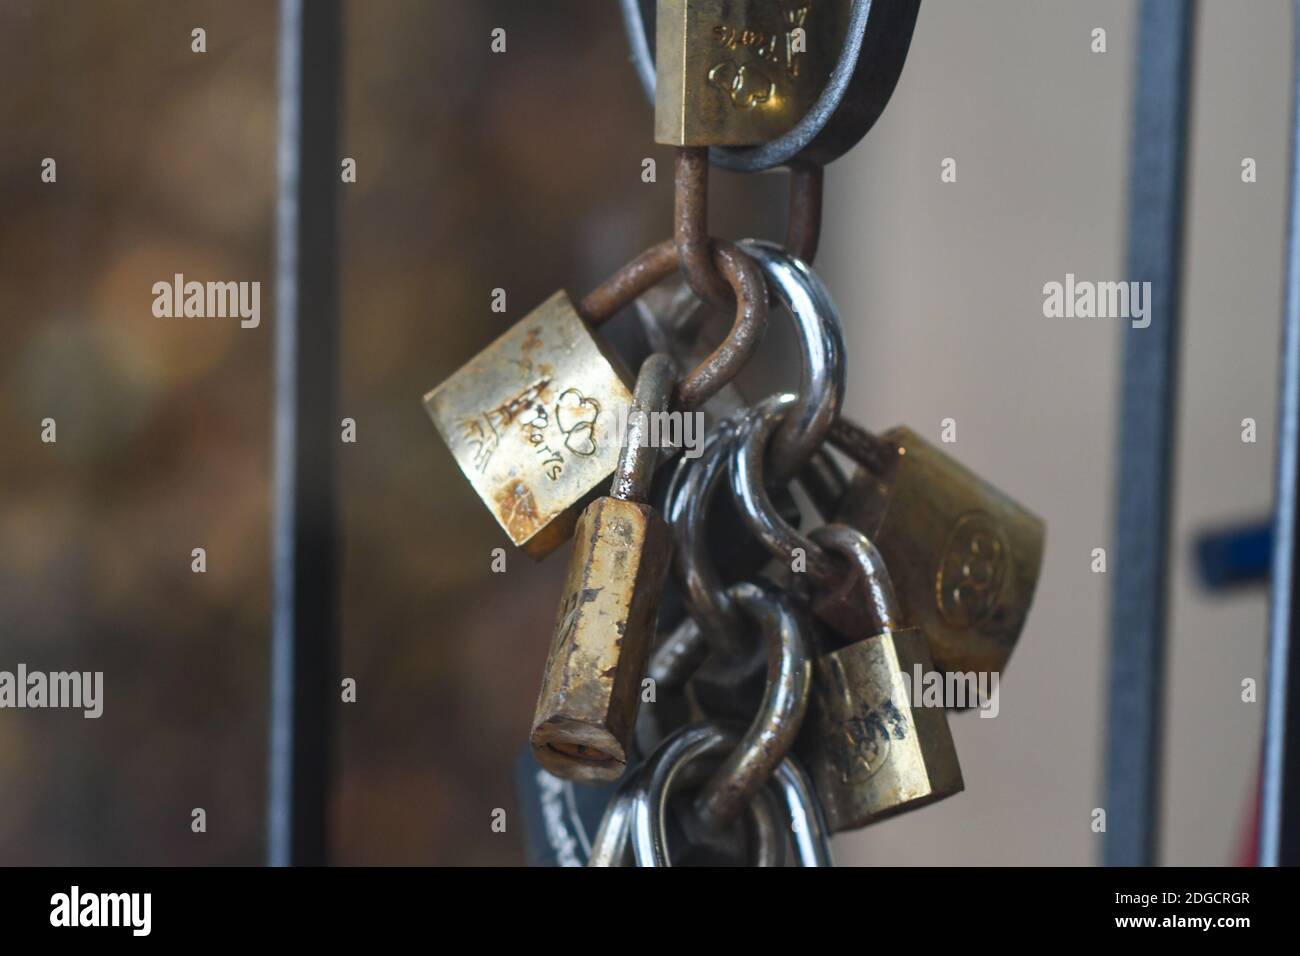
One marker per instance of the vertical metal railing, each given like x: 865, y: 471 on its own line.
x: 304, y: 638
x: 1139, y: 565
x: 1279, y: 814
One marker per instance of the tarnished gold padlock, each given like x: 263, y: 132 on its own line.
x: 530, y: 422
x: 530, y: 419
x: 872, y: 747
x: 586, y: 711
x: 963, y: 557
x: 741, y: 72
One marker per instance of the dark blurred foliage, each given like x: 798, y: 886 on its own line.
x: 475, y: 171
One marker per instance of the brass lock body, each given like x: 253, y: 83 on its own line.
x: 586, y: 712
x: 741, y: 72
x: 873, y: 755
x: 531, y: 422
x: 873, y: 748
x: 963, y: 557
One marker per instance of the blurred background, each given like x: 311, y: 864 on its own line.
x: 523, y: 171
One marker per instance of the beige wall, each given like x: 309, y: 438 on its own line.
x: 940, y: 287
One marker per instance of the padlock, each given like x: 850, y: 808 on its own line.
x: 964, y: 558
x: 586, y: 712
x: 870, y: 50
x: 530, y: 420
x: 872, y: 747
x: 741, y: 72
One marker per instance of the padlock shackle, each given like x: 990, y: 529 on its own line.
x: 803, y: 227
x: 862, y: 447
x: 691, y: 227
x: 627, y: 284
x: 638, y: 456
x: 691, y: 222
x: 865, y: 559
x: 656, y: 264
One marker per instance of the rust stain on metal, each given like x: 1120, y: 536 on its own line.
x: 532, y: 341
x: 517, y: 510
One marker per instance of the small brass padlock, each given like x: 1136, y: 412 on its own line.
x: 741, y: 72
x: 871, y: 746
x: 530, y: 422
x: 586, y: 711
x: 964, y: 558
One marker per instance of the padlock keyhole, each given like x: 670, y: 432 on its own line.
x: 580, y: 752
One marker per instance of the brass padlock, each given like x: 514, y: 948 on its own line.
x: 741, y: 72
x: 586, y: 712
x: 872, y: 747
x: 964, y: 558
x: 530, y: 420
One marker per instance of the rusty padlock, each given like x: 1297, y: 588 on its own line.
x: 586, y: 712
x: 530, y: 418
x: 873, y: 749
x: 964, y: 558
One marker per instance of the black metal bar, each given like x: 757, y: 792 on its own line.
x: 1139, y: 569
x: 304, y: 639
x: 1279, y: 798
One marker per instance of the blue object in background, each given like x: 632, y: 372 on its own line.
x: 1234, y: 557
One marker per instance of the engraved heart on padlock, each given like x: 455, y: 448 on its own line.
x: 832, y: 86
x: 575, y: 415
x: 736, y: 83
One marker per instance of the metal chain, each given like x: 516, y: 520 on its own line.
x: 738, y: 773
